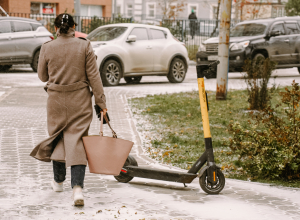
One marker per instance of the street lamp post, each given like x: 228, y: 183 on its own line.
x: 77, y: 14
x: 223, y: 51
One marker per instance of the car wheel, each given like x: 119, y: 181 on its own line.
x: 133, y: 80
x: 111, y: 73
x: 5, y: 68
x: 177, y: 71
x: 259, y: 57
x: 35, y: 61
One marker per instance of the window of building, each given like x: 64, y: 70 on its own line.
x: 278, y: 11
x: 43, y: 8
x: 91, y: 10
x: 22, y: 26
x: 214, y: 11
x: 119, y: 9
x: 193, y: 6
x: 35, y: 8
x: 292, y: 28
x: 158, y: 34
x: 151, y: 10
x: 5, y: 27
x: 140, y: 33
x: 129, y: 10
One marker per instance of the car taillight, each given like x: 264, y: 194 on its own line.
x: 52, y: 38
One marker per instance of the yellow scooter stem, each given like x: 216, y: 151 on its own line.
x: 204, y: 110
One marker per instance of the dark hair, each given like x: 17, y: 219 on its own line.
x: 64, y: 22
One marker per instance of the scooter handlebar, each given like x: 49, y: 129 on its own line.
x: 206, y: 69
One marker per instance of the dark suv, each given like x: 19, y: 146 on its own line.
x: 276, y: 38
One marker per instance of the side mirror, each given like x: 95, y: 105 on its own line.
x: 131, y: 38
x: 275, y: 33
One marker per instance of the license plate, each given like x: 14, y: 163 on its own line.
x: 212, y: 57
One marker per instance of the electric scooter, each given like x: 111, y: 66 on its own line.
x: 211, y: 178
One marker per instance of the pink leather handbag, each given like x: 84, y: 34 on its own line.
x: 106, y: 155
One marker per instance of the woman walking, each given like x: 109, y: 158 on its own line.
x: 69, y: 67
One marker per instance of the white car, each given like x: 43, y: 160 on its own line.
x: 135, y: 50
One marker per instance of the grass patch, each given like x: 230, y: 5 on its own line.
x: 171, y: 126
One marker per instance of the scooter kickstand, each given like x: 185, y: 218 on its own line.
x: 185, y: 185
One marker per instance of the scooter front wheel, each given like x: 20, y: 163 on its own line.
x: 123, y: 177
x: 208, y: 187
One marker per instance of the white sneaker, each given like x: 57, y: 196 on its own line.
x: 77, y: 196
x: 57, y: 187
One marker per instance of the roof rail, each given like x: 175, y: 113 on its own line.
x: 4, y: 11
x: 296, y: 16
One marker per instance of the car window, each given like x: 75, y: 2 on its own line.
x: 5, y: 27
x: 35, y: 26
x: 278, y: 27
x: 22, y: 26
x: 292, y: 28
x: 158, y: 34
x: 106, y: 33
x: 251, y: 29
x: 140, y: 33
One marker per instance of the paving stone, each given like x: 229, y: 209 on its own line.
x: 25, y: 191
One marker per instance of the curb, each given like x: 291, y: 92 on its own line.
x: 140, y: 150
x: 192, y: 63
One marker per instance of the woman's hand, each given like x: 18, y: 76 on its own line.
x: 104, y: 111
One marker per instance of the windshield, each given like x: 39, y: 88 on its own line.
x: 252, y: 29
x: 106, y: 33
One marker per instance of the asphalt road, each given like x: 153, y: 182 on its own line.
x: 282, y: 77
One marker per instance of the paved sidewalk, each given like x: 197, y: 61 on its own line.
x: 25, y: 192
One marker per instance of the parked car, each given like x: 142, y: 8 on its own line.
x: 276, y: 38
x: 135, y: 50
x: 80, y: 34
x: 20, y: 41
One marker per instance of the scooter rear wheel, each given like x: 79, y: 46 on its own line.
x: 123, y: 177
x: 206, y: 185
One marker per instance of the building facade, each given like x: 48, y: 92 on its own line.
x: 252, y: 9
x: 204, y: 9
x: 157, y: 9
x: 99, y: 8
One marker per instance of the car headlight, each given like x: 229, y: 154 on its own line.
x: 239, y: 46
x: 202, y: 47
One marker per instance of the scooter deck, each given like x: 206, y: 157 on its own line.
x: 165, y: 175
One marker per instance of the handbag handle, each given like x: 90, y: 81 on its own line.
x: 107, y: 121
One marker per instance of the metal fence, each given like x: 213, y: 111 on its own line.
x: 86, y: 24
x: 191, y: 32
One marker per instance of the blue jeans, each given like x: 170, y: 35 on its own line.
x: 77, y: 173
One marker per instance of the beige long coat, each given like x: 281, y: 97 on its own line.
x: 68, y: 65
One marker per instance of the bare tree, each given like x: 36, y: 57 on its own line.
x: 251, y: 9
x: 217, y: 19
x: 171, y: 9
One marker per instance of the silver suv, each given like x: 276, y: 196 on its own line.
x: 20, y: 41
